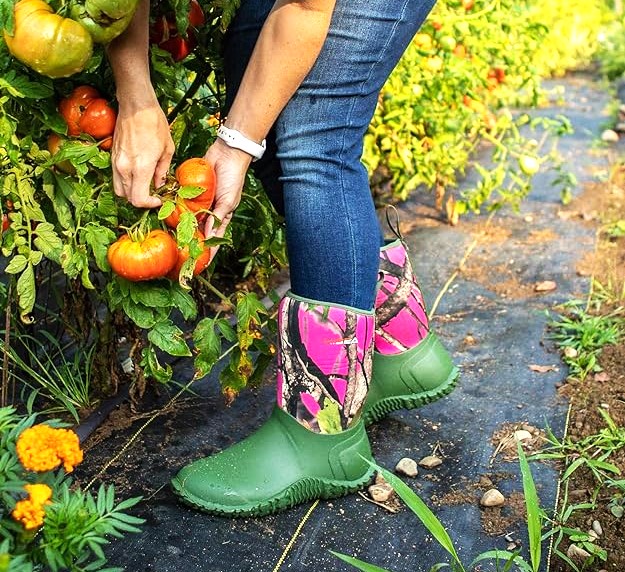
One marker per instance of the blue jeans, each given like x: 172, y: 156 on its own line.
x: 312, y: 169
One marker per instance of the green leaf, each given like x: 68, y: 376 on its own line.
x: 16, y: 264
x: 186, y: 228
x: 153, y: 368
x: 23, y: 88
x: 48, y: 241
x: 57, y: 199
x: 189, y: 191
x: 329, y: 418
x: 170, y: 338
x: 183, y: 301
x: 534, y: 524
x: 99, y: 238
x: 151, y: 294
x: 424, y: 514
x: 248, y: 308
x: 141, y: 315
x: 208, y: 345
x: 166, y: 209
x: 364, y: 566
x: 26, y: 292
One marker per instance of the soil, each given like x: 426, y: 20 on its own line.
x: 599, y: 205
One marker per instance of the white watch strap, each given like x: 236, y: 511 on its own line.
x: 237, y: 140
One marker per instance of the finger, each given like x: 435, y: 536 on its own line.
x: 139, y: 192
x: 161, y: 169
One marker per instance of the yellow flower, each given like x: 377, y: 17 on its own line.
x: 30, y: 511
x: 42, y: 448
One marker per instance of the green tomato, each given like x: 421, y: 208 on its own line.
x: 104, y: 19
x: 448, y: 43
x: 529, y: 165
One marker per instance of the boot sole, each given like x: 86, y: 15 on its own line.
x: 387, y: 405
x: 302, y: 491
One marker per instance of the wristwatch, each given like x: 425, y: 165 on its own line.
x: 236, y: 140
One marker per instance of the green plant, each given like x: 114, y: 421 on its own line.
x: 617, y: 502
x: 503, y: 558
x: 45, y: 523
x: 64, y: 383
x: 581, y: 337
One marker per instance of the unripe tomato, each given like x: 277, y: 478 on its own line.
x: 529, y: 165
x: 152, y: 257
x: 434, y: 64
x: 448, y: 43
x: 104, y: 19
x: 46, y: 42
x: 54, y: 145
x: 201, y: 263
x: 198, y: 172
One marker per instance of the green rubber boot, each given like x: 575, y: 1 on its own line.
x: 279, y: 466
x: 410, y: 379
x: 410, y: 365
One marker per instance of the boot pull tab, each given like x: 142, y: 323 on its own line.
x: 393, y: 225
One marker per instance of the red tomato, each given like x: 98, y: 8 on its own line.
x: 98, y: 119
x: 6, y: 223
x: 152, y: 257
x: 73, y: 106
x: 201, y: 263
x: 165, y: 34
x: 198, y: 172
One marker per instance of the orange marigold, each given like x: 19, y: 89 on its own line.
x: 30, y: 511
x: 42, y: 448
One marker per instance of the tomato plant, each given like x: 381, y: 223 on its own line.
x: 85, y: 111
x: 167, y: 35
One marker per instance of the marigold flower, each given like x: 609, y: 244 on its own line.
x: 42, y: 448
x: 30, y: 511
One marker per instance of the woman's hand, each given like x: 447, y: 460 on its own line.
x: 141, y: 154
x: 230, y: 165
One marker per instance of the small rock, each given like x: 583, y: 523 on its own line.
x: 604, y: 406
x: 381, y: 493
x: 492, y: 497
x: 596, y: 526
x: 408, y: 467
x: 620, y: 127
x: 577, y: 554
x: 430, y: 461
x: 485, y: 482
x: 545, y: 286
x: 609, y: 136
x: 522, y: 435
x: 570, y: 352
x: 379, y: 479
x: 528, y: 218
x: 592, y: 536
x: 511, y: 547
x: 509, y: 538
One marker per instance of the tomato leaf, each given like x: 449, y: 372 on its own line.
x: 98, y: 238
x: 186, y: 228
x: 59, y: 202
x: 150, y: 294
x: 48, y: 241
x: 20, y: 86
x: 26, y: 292
x: 208, y: 345
x: 152, y: 366
x: 249, y: 308
x: 166, y: 209
x: 183, y: 301
x: 6, y: 15
x: 190, y: 192
x: 170, y: 338
x: 16, y: 264
x: 138, y: 313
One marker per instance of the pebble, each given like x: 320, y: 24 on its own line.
x: 509, y: 538
x: 577, y: 554
x: 596, y: 526
x: 408, y: 467
x: 522, y: 435
x: 492, y: 497
x: 430, y: 461
x: 570, y: 352
x: 379, y: 479
x: 381, y: 493
x: 609, y: 136
x: 511, y: 547
x: 592, y: 535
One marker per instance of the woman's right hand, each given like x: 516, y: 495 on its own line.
x: 141, y: 153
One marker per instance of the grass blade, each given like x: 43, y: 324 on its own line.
x: 423, y: 513
x: 364, y: 566
x: 534, y: 524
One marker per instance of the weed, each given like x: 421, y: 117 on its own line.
x: 581, y: 337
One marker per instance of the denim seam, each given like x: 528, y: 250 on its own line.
x: 342, y: 152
